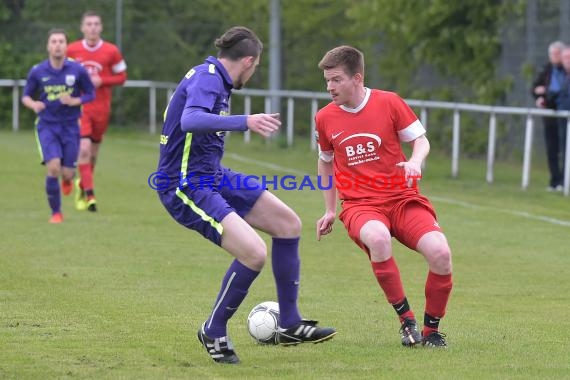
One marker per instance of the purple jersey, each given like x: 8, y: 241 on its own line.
x: 195, y: 122
x: 51, y: 84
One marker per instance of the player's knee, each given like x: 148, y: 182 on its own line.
x: 379, y: 245
x: 84, y: 156
x: 294, y: 225
x: 53, y: 173
x: 67, y: 176
x: 53, y: 169
x: 257, y: 256
x: 289, y: 226
x: 441, y: 259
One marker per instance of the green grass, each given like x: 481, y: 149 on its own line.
x: 121, y: 293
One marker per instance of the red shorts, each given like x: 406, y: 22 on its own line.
x: 407, y: 219
x: 93, y: 125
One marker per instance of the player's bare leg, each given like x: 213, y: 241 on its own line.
x: 94, y: 154
x: 434, y: 247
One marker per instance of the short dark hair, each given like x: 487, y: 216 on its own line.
x: 90, y: 13
x: 238, y: 42
x: 57, y: 31
x: 350, y: 58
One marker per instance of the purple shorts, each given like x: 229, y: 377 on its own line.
x: 202, y: 208
x: 58, y: 141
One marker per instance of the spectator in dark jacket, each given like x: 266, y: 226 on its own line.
x: 546, y: 98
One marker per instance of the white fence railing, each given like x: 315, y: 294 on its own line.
x: 314, y: 97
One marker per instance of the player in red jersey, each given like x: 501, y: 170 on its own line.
x: 359, y: 135
x: 106, y: 66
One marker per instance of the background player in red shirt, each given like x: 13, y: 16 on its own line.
x: 360, y: 134
x: 106, y: 66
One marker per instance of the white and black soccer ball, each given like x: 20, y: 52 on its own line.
x: 263, y: 322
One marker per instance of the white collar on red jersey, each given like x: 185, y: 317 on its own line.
x: 361, y: 105
x: 92, y: 48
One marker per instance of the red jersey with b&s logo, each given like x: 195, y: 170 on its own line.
x: 365, y: 144
x: 103, y: 59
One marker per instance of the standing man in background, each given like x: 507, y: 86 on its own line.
x: 106, y: 66
x: 63, y: 86
x: 545, y: 98
x: 559, y: 91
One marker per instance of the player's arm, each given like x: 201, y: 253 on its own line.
x: 325, y: 172
x: 420, y: 149
x: 87, y: 91
x: 34, y: 105
x: 30, y: 88
x: 86, y: 87
x: 118, y: 70
x: 198, y: 119
x: 410, y: 130
x: 413, y: 167
x: 115, y: 79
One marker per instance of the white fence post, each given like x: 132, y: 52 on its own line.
x: 152, y: 108
x: 15, y: 106
x: 491, y: 146
x: 567, y: 160
x: 314, y: 109
x: 527, y: 151
x: 423, y: 119
x: 169, y: 93
x: 267, y: 109
x: 455, y: 144
x: 290, y: 120
x: 247, y: 111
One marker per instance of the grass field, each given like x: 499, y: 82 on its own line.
x: 121, y: 293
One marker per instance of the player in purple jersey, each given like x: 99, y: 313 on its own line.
x: 63, y: 86
x: 192, y: 145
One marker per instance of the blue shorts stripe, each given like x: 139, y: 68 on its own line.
x: 205, y: 217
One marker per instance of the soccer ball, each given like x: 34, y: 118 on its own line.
x: 263, y: 321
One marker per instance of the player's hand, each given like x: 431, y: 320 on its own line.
x: 96, y: 80
x: 412, y: 171
x: 540, y: 102
x: 68, y: 100
x: 325, y: 224
x: 540, y: 90
x: 38, y: 106
x: 263, y: 123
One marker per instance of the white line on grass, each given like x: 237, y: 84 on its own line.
x: 473, y: 206
x: 523, y: 214
x: 266, y: 165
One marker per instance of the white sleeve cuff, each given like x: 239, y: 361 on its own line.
x: 119, y: 67
x: 326, y: 156
x: 412, y: 131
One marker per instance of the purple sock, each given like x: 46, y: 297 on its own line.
x: 286, y: 269
x: 235, y: 285
x: 53, y: 196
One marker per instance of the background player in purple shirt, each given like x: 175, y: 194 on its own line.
x: 63, y: 86
x: 224, y: 211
